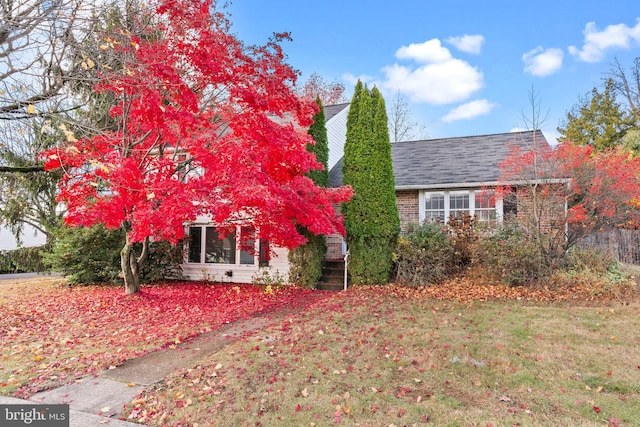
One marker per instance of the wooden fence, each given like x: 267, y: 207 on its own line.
x: 624, y: 244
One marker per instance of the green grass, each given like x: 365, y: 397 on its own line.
x: 367, y: 357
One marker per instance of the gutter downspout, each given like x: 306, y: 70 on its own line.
x: 346, y: 263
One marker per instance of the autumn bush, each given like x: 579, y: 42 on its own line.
x: 595, y: 270
x: 424, y: 255
x: 24, y: 260
x: 509, y: 256
x: 87, y: 255
x: 464, y: 232
x: 306, y: 261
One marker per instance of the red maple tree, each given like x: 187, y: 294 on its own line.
x: 573, y: 191
x: 206, y: 126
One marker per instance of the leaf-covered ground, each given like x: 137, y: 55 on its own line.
x: 388, y: 356
x: 52, y: 334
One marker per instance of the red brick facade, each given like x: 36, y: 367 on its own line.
x: 408, y: 207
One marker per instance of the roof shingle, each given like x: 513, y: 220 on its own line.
x: 451, y: 161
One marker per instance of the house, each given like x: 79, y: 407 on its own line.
x: 437, y: 178
x: 335, y: 117
x: 434, y: 179
x: 209, y: 258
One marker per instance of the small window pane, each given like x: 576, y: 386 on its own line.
x: 434, y: 207
x: 247, y: 253
x: 264, y: 253
x: 220, y: 251
x: 485, y: 210
x: 458, y: 204
x: 195, y: 244
x: 485, y: 200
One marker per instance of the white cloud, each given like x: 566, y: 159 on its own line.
x: 437, y: 78
x: 596, y: 43
x: 541, y: 62
x: 469, y: 110
x: 428, y: 52
x: 468, y: 43
x: 443, y: 83
x: 353, y: 80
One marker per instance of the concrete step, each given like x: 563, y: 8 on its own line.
x: 326, y: 286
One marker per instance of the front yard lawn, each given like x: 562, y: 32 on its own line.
x: 386, y: 356
x: 52, y: 334
x: 456, y: 354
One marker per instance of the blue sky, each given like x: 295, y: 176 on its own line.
x: 465, y: 66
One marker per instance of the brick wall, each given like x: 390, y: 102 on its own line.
x: 334, y: 248
x: 407, y: 202
x: 549, y: 207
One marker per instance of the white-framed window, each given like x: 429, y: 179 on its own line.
x: 485, y: 207
x: 438, y: 206
x: 206, y: 247
x: 434, y: 207
x: 459, y: 203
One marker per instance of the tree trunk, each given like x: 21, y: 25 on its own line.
x: 130, y: 270
x: 131, y: 265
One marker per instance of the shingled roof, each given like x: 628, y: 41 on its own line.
x: 332, y: 110
x: 468, y: 161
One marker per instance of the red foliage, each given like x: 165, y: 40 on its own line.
x: 196, y: 101
x: 603, y: 188
x: 66, y: 333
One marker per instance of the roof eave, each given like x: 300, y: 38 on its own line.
x: 485, y: 184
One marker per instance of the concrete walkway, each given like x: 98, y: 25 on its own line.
x: 100, y: 399
x: 20, y: 276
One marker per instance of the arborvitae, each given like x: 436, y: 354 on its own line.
x: 318, y: 132
x: 306, y: 260
x: 371, y: 217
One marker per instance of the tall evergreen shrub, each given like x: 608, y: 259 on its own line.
x: 306, y: 260
x: 371, y: 217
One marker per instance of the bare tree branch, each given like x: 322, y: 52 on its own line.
x: 402, y: 127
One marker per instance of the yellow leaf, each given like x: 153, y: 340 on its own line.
x: 304, y: 392
x: 104, y: 46
x: 31, y: 109
x: 84, y: 65
x: 90, y: 63
x: 131, y: 385
x: 71, y: 138
x: 37, y: 358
